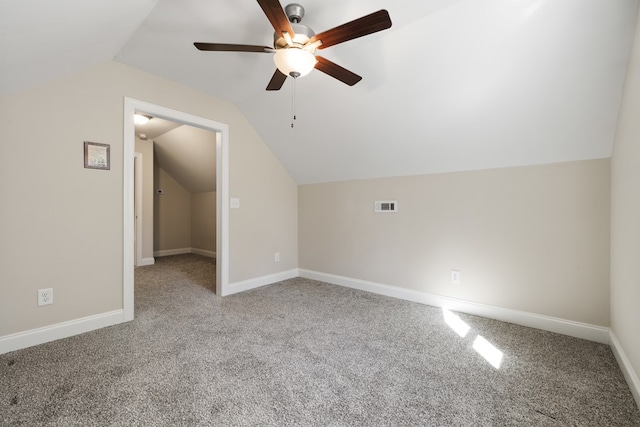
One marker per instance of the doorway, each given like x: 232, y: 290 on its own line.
x: 221, y: 130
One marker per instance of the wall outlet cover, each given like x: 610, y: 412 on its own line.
x: 455, y: 276
x: 45, y: 296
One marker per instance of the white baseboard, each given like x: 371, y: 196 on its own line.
x: 182, y: 251
x: 234, y: 288
x: 59, y: 330
x: 203, y: 252
x: 146, y: 261
x: 169, y: 252
x: 566, y: 327
x: 625, y: 366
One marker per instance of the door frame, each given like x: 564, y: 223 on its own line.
x: 131, y: 106
x: 137, y: 199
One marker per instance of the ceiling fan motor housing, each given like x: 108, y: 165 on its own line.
x: 303, y: 34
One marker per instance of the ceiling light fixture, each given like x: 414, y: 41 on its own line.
x: 294, y: 61
x: 294, y: 55
x: 141, y: 119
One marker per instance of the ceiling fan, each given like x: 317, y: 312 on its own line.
x: 295, y: 44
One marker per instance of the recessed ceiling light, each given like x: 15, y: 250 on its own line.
x: 141, y: 119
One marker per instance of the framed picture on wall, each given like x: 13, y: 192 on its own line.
x: 97, y: 156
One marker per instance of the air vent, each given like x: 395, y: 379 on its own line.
x: 386, y: 206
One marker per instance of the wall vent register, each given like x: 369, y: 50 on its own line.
x: 386, y: 206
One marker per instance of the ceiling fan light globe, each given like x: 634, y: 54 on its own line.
x: 294, y: 60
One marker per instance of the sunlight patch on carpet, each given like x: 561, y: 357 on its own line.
x: 456, y: 323
x: 483, y: 347
x: 487, y: 350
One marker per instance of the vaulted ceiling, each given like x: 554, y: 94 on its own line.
x: 188, y: 155
x: 452, y: 85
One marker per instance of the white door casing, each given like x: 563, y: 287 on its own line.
x: 132, y: 106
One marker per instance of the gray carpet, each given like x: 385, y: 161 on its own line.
x: 302, y: 352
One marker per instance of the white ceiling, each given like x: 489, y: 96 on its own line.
x: 41, y: 40
x: 186, y: 153
x: 453, y: 85
x: 155, y: 127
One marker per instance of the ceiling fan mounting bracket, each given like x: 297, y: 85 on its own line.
x: 295, y: 12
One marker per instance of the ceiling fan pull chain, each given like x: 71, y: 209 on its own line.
x: 293, y: 101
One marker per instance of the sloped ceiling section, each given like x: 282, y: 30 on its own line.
x: 41, y: 40
x: 188, y: 154
x: 155, y: 127
x: 453, y: 85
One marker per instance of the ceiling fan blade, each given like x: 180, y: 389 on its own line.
x: 277, y: 16
x: 366, y: 25
x: 224, y: 47
x: 336, y: 71
x: 277, y: 80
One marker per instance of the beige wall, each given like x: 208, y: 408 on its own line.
x: 625, y: 216
x: 267, y: 220
x: 62, y: 225
x: 533, y: 238
x: 146, y: 149
x: 171, y: 215
x: 203, y: 221
x: 182, y: 219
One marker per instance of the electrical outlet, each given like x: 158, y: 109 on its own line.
x: 276, y: 257
x: 455, y: 277
x: 45, y: 296
x: 235, y: 203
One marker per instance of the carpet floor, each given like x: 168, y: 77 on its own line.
x: 306, y: 353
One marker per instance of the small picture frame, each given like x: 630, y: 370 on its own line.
x: 97, y: 156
